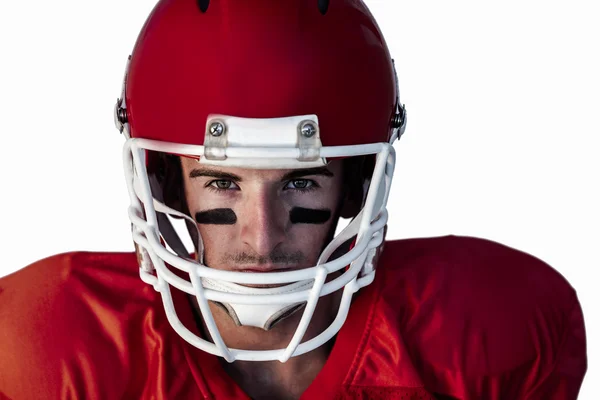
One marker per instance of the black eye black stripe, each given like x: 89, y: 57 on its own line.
x: 300, y: 215
x: 218, y: 216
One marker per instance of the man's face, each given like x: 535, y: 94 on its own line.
x: 262, y: 220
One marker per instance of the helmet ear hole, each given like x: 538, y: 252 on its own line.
x: 357, y: 170
x: 323, y: 6
x: 350, y: 208
x: 167, y: 170
x: 203, y: 5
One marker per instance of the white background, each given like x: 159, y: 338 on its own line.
x: 502, y: 140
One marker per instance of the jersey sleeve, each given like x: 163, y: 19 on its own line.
x: 562, y: 380
x: 485, y: 321
x: 542, y: 327
x: 59, y: 338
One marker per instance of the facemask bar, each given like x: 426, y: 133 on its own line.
x: 147, y: 236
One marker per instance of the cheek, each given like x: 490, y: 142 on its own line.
x: 310, y: 239
x: 218, y: 241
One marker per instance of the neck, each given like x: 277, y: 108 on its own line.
x: 273, y: 379
x: 276, y: 380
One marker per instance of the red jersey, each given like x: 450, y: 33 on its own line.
x: 447, y: 318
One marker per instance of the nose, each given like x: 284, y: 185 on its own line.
x: 263, y: 223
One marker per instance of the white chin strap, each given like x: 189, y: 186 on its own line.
x: 264, y: 316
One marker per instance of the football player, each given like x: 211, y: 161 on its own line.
x: 251, y: 127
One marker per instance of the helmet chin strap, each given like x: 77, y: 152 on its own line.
x: 264, y: 316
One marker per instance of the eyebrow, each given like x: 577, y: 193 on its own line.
x: 295, y: 174
x: 298, y: 173
x: 213, y: 173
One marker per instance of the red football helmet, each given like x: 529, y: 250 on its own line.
x: 258, y: 84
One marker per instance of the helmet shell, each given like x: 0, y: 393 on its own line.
x: 261, y: 59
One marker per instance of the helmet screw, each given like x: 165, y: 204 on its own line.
x: 398, y: 118
x: 308, y: 130
x: 216, y: 129
x: 122, y: 115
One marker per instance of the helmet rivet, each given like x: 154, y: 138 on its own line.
x: 308, y: 130
x: 398, y: 117
x: 122, y: 114
x: 216, y: 129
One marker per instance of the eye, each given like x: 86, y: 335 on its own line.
x: 300, y: 184
x: 222, y: 184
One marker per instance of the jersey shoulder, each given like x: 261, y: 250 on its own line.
x: 65, y: 321
x: 470, y: 267
x: 484, y: 314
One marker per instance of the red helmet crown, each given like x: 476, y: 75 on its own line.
x: 261, y: 59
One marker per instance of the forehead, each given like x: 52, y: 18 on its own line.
x: 190, y: 165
